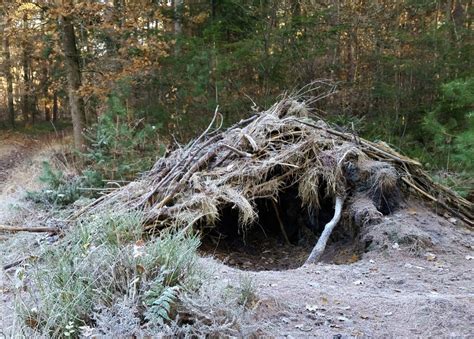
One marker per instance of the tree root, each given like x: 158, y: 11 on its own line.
x: 318, y: 249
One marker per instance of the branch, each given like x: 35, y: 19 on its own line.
x: 318, y: 249
x: 282, y: 227
x: 4, y: 228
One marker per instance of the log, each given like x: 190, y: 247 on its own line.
x: 5, y: 228
x: 318, y: 249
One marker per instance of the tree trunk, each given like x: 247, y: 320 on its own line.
x: 8, y: 75
x: 178, y: 25
x: 55, y: 106
x: 25, y: 106
x: 76, y: 103
x: 45, y: 87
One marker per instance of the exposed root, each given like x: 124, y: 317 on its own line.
x: 318, y: 249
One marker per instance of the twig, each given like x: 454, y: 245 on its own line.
x: 239, y: 152
x: 318, y: 249
x: 4, y: 228
x: 17, y: 262
x: 282, y: 227
x: 446, y: 207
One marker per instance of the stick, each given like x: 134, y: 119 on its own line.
x: 282, y: 227
x: 318, y: 249
x: 15, y: 263
x: 4, y: 228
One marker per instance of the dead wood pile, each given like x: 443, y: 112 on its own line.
x: 259, y: 157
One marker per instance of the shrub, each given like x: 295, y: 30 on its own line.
x: 120, y: 146
x: 450, y: 126
x: 102, y: 262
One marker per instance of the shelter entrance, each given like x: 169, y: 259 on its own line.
x: 282, y: 237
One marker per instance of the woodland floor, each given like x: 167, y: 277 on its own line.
x: 416, y: 280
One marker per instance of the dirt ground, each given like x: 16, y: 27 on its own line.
x: 414, y: 277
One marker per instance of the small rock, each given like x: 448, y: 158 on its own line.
x: 430, y: 256
x: 364, y: 316
x: 341, y: 318
x: 311, y: 308
x: 388, y: 314
x: 469, y: 257
x: 453, y: 221
x: 303, y: 327
x: 372, y: 261
x: 396, y: 246
x: 285, y: 320
x: 358, y: 282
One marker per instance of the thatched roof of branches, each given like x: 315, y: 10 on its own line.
x: 260, y: 156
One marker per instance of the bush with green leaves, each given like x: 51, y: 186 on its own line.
x: 103, y: 261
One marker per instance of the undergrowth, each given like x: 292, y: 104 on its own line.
x: 120, y: 148
x: 104, y: 267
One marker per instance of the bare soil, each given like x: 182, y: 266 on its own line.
x: 415, y: 280
x: 413, y: 277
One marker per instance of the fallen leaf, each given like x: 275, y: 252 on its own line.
x: 430, y: 256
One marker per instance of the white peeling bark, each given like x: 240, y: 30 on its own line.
x: 318, y: 249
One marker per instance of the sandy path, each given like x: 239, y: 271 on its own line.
x: 20, y: 166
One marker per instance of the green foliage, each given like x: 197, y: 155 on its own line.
x: 159, y: 300
x: 41, y: 128
x: 450, y: 126
x: 59, y: 190
x: 121, y: 146
x: 248, y: 291
x: 62, y: 190
x: 102, y: 261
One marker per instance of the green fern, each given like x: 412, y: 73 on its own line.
x: 159, y: 300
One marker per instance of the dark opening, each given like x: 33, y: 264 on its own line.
x: 265, y: 246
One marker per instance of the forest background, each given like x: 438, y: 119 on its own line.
x: 131, y: 77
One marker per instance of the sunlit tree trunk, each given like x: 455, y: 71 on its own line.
x: 45, y: 87
x: 26, y: 84
x: 73, y: 72
x: 55, y: 107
